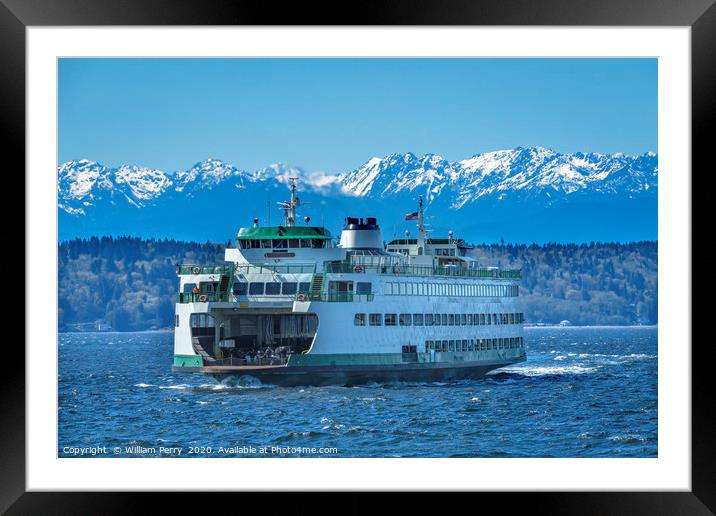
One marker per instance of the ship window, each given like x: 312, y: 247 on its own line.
x: 177, y: 321
x: 436, y: 320
x: 463, y: 319
x: 375, y: 319
x: 289, y: 288
x: 189, y: 287
x: 305, y: 242
x: 417, y: 319
x: 428, y: 319
x: 451, y: 320
x: 316, y: 243
x: 451, y: 345
x: 359, y: 320
x: 279, y: 243
x: 265, y: 244
x: 293, y: 243
x: 406, y: 319
x: 510, y: 318
x: 494, y: 319
x: 390, y: 319
x: 239, y: 288
x: 363, y: 287
x: 340, y: 286
x: 304, y: 286
x: 273, y: 289
x: 256, y: 288
x: 445, y: 319
x: 469, y: 319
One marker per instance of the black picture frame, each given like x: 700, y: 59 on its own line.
x: 700, y: 15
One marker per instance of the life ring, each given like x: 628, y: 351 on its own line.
x: 358, y: 269
x: 196, y: 270
x: 202, y: 298
x: 300, y: 297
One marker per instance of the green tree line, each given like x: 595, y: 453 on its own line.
x: 129, y: 283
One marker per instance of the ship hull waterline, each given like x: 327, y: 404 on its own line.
x: 297, y: 376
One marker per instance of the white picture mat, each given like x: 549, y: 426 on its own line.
x: 671, y: 470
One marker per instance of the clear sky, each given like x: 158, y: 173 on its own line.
x: 333, y: 114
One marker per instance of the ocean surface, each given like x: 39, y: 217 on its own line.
x: 583, y: 392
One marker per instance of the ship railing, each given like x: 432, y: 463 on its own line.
x: 422, y: 270
x: 191, y: 297
x: 228, y: 270
x: 334, y: 297
x: 205, y: 269
x: 276, y: 360
x: 294, y: 268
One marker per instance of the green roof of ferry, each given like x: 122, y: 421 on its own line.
x: 283, y: 232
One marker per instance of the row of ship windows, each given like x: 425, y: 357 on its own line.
x: 283, y: 243
x: 438, y: 252
x: 446, y: 289
x: 270, y: 289
x: 437, y: 319
x: 474, y: 344
x: 275, y: 288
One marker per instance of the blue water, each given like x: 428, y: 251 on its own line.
x: 584, y: 392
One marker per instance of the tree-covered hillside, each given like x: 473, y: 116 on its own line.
x: 587, y: 284
x: 129, y: 283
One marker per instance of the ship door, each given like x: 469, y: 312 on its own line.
x: 340, y: 289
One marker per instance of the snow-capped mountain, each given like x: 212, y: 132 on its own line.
x: 570, y: 196
x: 517, y: 172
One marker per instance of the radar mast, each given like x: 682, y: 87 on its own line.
x: 289, y: 207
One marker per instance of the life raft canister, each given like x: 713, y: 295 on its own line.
x: 196, y: 270
x: 357, y: 268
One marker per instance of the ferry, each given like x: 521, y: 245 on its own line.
x: 293, y: 306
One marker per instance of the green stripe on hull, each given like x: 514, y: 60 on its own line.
x: 188, y: 361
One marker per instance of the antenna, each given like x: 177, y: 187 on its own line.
x: 289, y: 207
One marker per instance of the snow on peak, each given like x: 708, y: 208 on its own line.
x: 500, y: 174
x: 143, y: 183
x: 532, y: 170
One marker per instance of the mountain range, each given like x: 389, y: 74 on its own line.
x: 521, y: 195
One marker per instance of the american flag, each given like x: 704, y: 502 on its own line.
x: 411, y: 216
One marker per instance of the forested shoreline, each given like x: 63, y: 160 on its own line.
x: 128, y: 283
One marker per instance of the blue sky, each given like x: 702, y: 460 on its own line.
x: 334, y: 114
